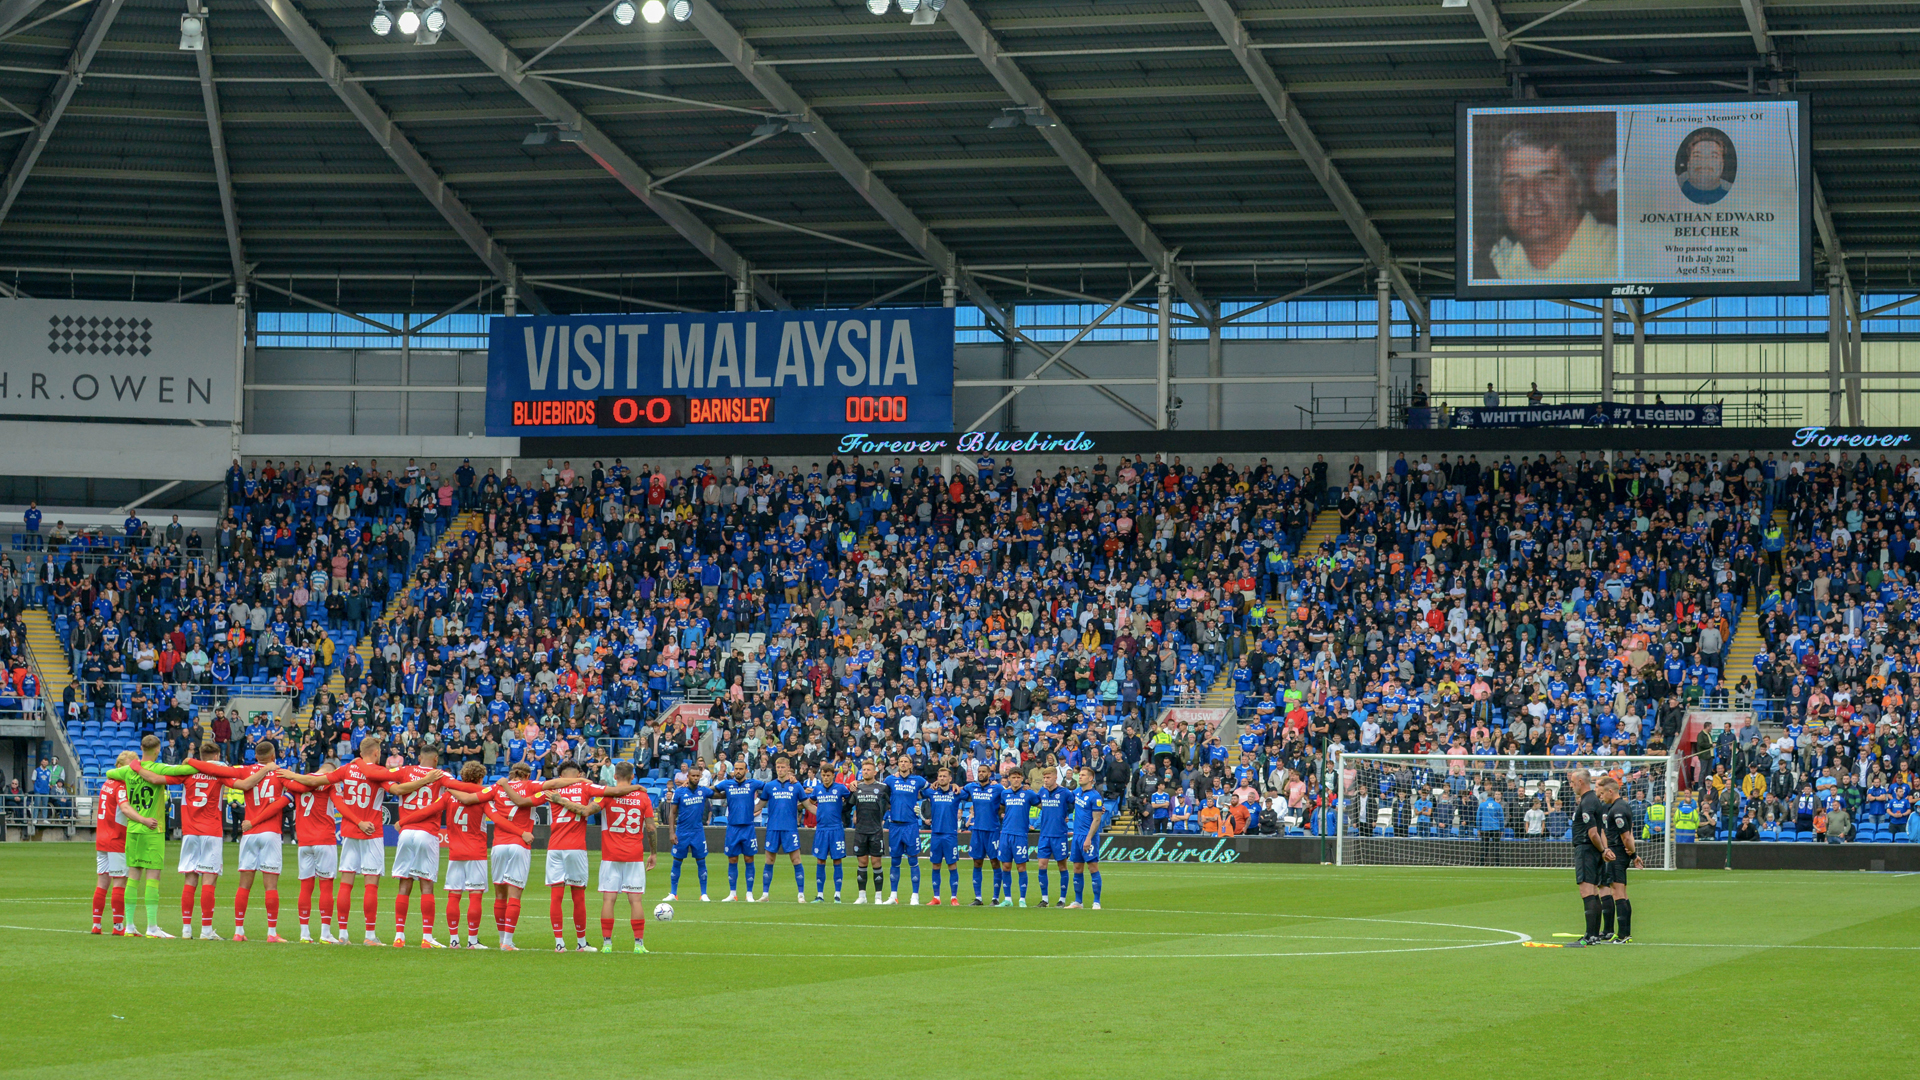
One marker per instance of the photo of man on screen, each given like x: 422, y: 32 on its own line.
x: 1547, y: 229
x: 1706, y: 165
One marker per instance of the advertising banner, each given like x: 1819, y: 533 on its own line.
x: 1595, y: 414
x: 88, y: 358
x: 788, y: 372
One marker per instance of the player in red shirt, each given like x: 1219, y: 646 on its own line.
x: 202, y: 840
x: 316, y: 836
x: 467, y: 855
x: 625, y: 856
x: 572, y: 798
x: 417, y: 855
x: 260, y: 846
x: 511, y: 812
x: 110, y: 850
x: 363, y: 853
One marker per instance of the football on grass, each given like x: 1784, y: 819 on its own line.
x: 663, y: 912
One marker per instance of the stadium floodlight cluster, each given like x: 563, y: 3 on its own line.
x: 426, y: 25
x: 1488, y: 810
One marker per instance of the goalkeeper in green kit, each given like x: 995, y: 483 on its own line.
x: 146, y: 810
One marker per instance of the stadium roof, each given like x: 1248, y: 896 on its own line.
x: 1270, y: 143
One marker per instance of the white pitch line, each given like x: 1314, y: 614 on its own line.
x: 772, y: 925
x: 1736, y: 945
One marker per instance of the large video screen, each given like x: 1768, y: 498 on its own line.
x: 1591, y: 198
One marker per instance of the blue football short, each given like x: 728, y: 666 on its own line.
x: 1013, y: 848
x: 780, y: 841
x: 684, y: 848
x: 829, y: 843
x: 740, y: 840
x: 903, y: 842
x: 943, y: 848
x: 1052, y: 849
x: 1080, y: 852
x: 983, y: 845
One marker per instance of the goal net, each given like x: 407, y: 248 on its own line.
x: 1435, y: 810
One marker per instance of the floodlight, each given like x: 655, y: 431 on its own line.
x: 878, y: 7
x: 409, y: 21
x: 382, y: 22
x: 435, y: 20
x: 908, y: 7
x: 682, y: 10
x: 623, y: 12
x: 193, y: 33
x: 653, y: 11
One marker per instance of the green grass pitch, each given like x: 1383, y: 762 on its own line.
x: 1190, y: 971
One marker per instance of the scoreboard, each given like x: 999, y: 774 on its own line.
x: 785, y: 372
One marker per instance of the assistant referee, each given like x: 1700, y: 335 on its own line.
x: 1591, y: 853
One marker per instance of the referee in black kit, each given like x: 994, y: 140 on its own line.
x: 868, y: 845
x: 1591, y: 854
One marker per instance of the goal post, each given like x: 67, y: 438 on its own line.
x: 1442, y: 810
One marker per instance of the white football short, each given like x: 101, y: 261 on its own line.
x: 619, y: 877
x: 110, y: 863
x: 260, y: 851
x: 567, y: 868
x: 467, y: 876
x: 319, y: 861
x: 510, y: 865
x: 417, y: 855
x: 367, y: 855
x: 202, y: 855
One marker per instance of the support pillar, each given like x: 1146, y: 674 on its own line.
x: 950, y: 292
x: 1855, y: 411
x: 1163, y: 355
x: 512, y: 301
x: 742, y: 294
x: 239, y: 366
x: 1383, y: 350
x: 1606, y: 352
x: 1216, y: 367
x: 1638, y: 308
x: 1835, y: 315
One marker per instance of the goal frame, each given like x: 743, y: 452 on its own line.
x: 1594, y: 762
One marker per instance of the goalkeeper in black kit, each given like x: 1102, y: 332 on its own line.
x: 1617, y: 827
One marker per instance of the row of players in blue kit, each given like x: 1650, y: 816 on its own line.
x: 996, y: 814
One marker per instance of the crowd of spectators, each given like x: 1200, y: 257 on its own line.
x: 852, y: 608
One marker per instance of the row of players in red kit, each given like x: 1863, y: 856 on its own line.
x: 435, y: 810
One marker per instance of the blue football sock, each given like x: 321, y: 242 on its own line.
x: 836, y: 878
x: 1043, y: 884
x: 953, y: 882
x: 800, y: 880
x: 976, y: 883
x: 766, y: 878
x: 1023, y: 884
x: 895, y: 879
x: 936, y: 881
x: 1079, y: 885
x: 820, y: 877
x: 673, y: 886
x: 1096, y: 886
x: 733, y: 877
x: 914, y: 869
x: 702, y: 867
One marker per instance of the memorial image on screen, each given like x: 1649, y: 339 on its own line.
x: 1633, y: 199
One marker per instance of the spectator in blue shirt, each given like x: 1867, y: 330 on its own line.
x: 1492, y: 819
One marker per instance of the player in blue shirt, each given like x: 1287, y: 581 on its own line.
x: 1089, y: 813
x: 984, y: 795
x: 943, y: 843
x: 829, y: 831
x: 903, y: 827
x: 687, y: 818
x: 1016, y: 804
x: 741, y: 795
x: 782, y: 795
x: 1056, y: 806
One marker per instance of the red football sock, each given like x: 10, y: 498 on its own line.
x: 370, y: 901
x: 476, y: 901
x: 500, y: 914
x: 186, y: 905
x: 579, y: 911
x: 99, y: 904
x: 453, y: 914
x: 553, y: 910
x: 606, y: 928
x: 639, y: 928
x: 273, y: 910
x: 306, y: 900
x: 240, y: 909
x: 206, y: 904
x: 426, y: 914
x: 119, y: 904
x: 513, y: 914
x: 400, y: 913
x: 342, y: 908
x: 326, y: 899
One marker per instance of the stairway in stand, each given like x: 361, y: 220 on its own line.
x: 1326, y: 526
x: 48, y: 655
x: 337, y: 681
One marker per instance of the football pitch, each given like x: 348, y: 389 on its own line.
x: 1190, y: 971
